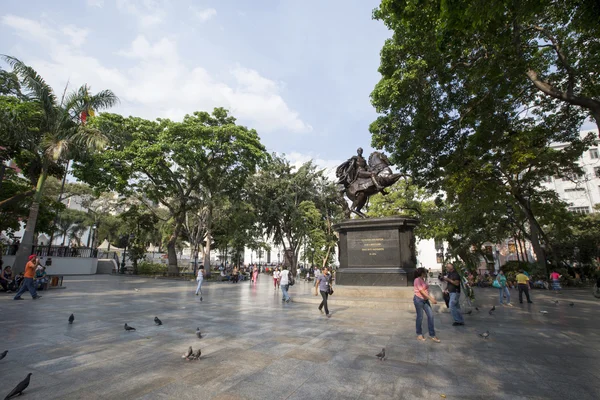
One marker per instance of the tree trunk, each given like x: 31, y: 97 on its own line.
x: 26, y: 246
x: 172, y: 269
x: 207, y: 253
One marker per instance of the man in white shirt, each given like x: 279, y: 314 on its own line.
x: 284, y: 282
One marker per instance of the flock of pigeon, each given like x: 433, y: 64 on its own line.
x: 192, y: 355
x: 20, y: 388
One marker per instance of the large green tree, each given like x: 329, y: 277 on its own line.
x: 184, y: 166
x: 460, y: 112
x: 285, y: 200
x: 57, y: 135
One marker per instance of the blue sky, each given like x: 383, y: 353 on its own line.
x: 299, y: 72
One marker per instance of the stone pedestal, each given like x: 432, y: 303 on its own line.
x: 376, y: 252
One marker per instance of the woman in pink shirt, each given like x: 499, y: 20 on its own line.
x: 422, y: 301
x: 555, y: 278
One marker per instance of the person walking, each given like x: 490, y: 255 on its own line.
x: 276, y: 275
x: 503, y: 289
x: 523, y: 286
x: 323, y: 284
x: 453, y: 280
x: 200, y: 279
x: 284, y: 282
x: 28, y: 283
x: 555, y: 278
x: 422, y: 300
x: 254, y: 275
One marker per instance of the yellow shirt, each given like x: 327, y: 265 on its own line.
x: 522, y: 279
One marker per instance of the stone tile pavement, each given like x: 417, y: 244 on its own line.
x: 255, y: 347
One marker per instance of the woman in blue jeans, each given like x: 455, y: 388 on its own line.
x: 422, y: 301
x: 503, y: 289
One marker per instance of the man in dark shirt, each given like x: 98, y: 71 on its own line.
x: 453, y: 280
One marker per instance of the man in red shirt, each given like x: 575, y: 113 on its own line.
x: 28, y: 279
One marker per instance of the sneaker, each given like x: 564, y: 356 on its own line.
x: 530, y: 302
x: 322, y: 312
x: 421, y: 338
x: 37, y: 297
x: 458, y: 323
x: 328, y: 315
x: 18, y: 298
x: 196, y: 294
x: 287, y: 301
x: 435, y: 339
x: 509, y: 304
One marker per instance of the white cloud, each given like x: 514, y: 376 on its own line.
x: 204, y: 15
x: 148, y: 12
x: 158, y: 83
x: 298, y: 159
x: 95, y: 3
x: 76, y: 35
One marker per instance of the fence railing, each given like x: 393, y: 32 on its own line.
x: 55, y: 251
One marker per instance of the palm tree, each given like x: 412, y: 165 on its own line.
x: 60, y: 134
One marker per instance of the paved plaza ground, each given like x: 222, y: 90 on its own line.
x: 255, y: 347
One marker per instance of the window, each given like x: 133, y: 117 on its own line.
x: 597, y: 172
x: 575, y: 190
x: 593, y: 154
x: 580, y: 210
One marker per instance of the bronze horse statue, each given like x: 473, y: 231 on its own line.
x: 361, y: 181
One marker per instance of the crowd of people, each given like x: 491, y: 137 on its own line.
x: 34, y: 270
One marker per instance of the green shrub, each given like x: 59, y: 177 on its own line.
x: 150, y: 268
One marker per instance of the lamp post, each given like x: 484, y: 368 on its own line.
x: 94, y: 227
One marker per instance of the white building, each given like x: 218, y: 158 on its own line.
x: 581, y: 192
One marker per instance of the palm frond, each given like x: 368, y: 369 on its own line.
x: 89, y: 138
x: 34, y: 82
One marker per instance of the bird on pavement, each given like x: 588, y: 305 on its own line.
x: 469, y: 312
x: 196, y: 355
x: 71, y: 318
x: 136, y: 289
x: 381, y: 355
x: 476, y: 308
x: 3, y: 354
x: 18, y: 390
x: 556, y: 302
x: 485, y: 334
x: 492, y: 310
x: 129, y: 328
x: 571, y: 304
x: 198, y: 334
x: 157, y: 321
x: 188, y: 353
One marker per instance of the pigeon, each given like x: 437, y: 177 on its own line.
x: 198, y: 334
x: 469, y: 312
x: 476, y: 309
x: 571, y: 304
x: 157, y: 321
x: 188, y: 353
x: 18, y: 390
x: 381, y: 355
x: 492, y: 310
x: 129, y: 328
x: 556, y: 302
x: 137, y: 290
x: 485, y: 334
x: 3, y: 354
x: 196, y: 355
x: 71, y: 318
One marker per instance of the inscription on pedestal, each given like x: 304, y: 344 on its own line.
x: 373, y: 249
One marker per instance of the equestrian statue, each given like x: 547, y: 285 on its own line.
x: 362, y: 180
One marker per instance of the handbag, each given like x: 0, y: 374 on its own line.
x: 330, y: 290
x: 496, y: 284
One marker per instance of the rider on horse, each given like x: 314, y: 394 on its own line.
x: 356, y: 167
